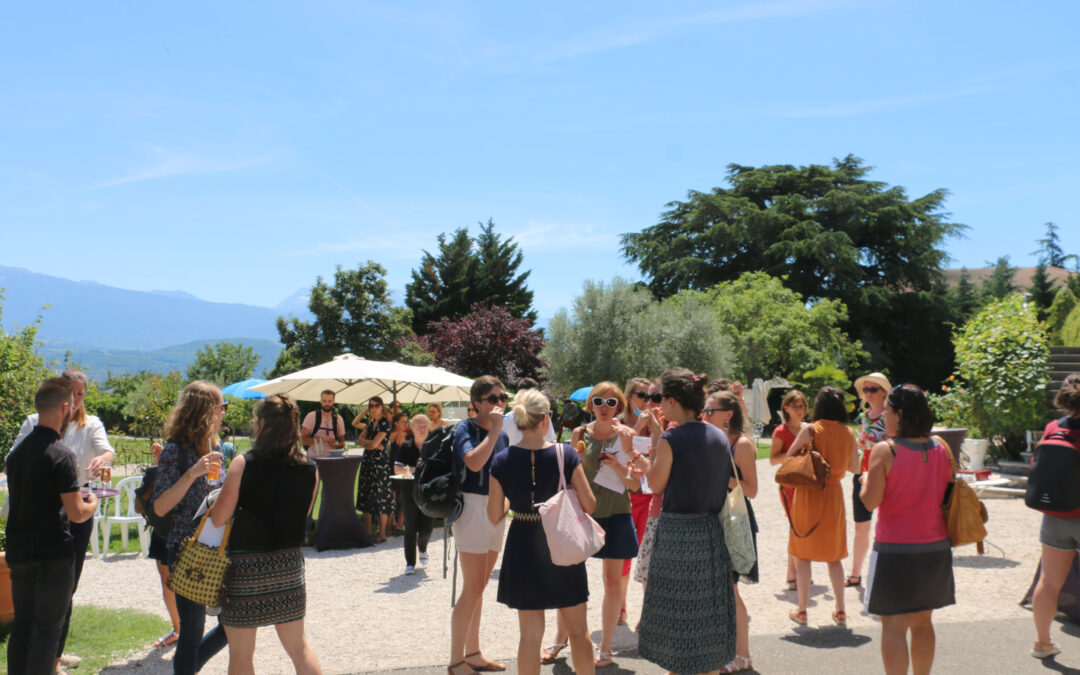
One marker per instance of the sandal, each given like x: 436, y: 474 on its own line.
x: 622, y: 618
x: 791, y: 585
x: 853, y: 581
x: 167, y: 639
x: 603, y: 659
x: 487, y: 666
x: 551, y: 652
x: 839, y: 618
x: 1048, y: 649
x: 378, y: 539
x: 450, y: 668
x: 738, y: 665
x: 797, y: 616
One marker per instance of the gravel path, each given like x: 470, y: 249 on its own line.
x: 363, y: 614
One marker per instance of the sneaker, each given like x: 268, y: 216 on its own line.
x: 423, y: 558
x: 70, y: 661
x: 409, y: 570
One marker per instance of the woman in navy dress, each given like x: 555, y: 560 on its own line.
x: 528, y: 474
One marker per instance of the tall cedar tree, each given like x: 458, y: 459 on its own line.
x: 1041, y: 291
x: 354, y: 314
x: 965, y: 297
x: 487, y: 340
x: 1000, y: 282
x: 1050, y: 252
x: 829, y: 233
x: 465, y: 272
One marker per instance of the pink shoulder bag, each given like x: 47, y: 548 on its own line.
x: 572, y: 535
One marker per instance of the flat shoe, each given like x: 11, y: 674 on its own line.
x: 551, y: 652
x: 490, y: 666
x: 797, y: 617
x: 738, y: 665
x: 839, y: 618
x: 603, y: 659
x: 167, y: 640
x: 791, y: 585
x: 1051, y: 650
x: 622, y: 618
x: 853, y: 581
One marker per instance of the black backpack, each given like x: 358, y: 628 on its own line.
x: 436, y: 485
x: 144, y: 504
x: 1054, y: 479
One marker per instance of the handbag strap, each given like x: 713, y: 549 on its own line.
x: 224, y: 538
x: 562, y: 472
x: 791, y: 524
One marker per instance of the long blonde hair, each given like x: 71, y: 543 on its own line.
x: 191, y: 422
x: 78, y: 417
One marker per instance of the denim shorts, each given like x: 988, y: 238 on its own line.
x: 1060, y: 533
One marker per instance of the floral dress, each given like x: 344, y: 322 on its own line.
x: 373, y: 495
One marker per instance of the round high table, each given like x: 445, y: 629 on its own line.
x: 339, y: 525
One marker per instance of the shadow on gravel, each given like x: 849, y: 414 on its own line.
x: 157, y: 661
x: 403, y: 583
x: 826, y: 638
x: 984, y: 562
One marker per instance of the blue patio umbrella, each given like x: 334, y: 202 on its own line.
x: 243, y: 389
x: 580, y: 395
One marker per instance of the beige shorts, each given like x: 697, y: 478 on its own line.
x: 473, y: 532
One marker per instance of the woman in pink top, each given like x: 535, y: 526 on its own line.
x: 911, y: 565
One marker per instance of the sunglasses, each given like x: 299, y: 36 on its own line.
x: 872, y: 390
x: 224, y: 406
x: 493, y: 399
x: 656, y: 398
x: 599, y: 402
x: 374, y: 405
x: 644, y: 396
x: 707, y: 412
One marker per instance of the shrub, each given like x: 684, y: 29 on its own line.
x: 952, y: 408
x: 21, y: 371
x: 1070, y: 330
x: 1060, y: 309
x: 1001, y: 355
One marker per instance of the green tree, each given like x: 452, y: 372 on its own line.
x: 617, y: 331
x: 21, y: 371
x: 223, y: 363
x: 1064, y: 302
x: 1070, y: 330
x: 238, y: 416
x: 829, y: 232
x: 150, y: 402
x: 1000, y: 282
x: 1041, y: 291
x: 775, y: 332
x: 1050, y: 252
x: 467, y: 271
x: 354, y: 314
x: 965, y: 297
x: 1001, y: 356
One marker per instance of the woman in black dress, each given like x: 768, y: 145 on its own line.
x: 373, y: 495
x: 527, y: 474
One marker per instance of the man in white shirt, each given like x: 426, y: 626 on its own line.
x: 510, y: 427
x: 325, y: 425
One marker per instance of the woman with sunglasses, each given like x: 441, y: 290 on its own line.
x: 478, y: 541
x: 373, y: 495
x: 873, y: 389
x: 637, y: 401
x: 688, y: 615
x: 602, y: 438
x: 179, y: 490
x: 723, y: 410
x: 793, y: 409
x: 656, y: 425
x: 911, y: 571
x: 820, y: 513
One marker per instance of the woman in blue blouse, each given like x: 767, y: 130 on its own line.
x: 478, y: 541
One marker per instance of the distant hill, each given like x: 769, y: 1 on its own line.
x: 100, y: 363
x: 1022, y: 278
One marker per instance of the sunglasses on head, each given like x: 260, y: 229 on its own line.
x: 493, y: 399
x: 599, y: 402
x: 869, y: 389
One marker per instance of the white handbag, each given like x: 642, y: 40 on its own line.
x: 572, y: 535
x: 738, y: 535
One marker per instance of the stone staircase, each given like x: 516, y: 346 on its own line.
x: 1063, y: 361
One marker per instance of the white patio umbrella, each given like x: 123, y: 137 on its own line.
x: 354, y: 379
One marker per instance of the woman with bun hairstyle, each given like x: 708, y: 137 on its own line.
x: 820, y: 513
x: 688, y: 614
x: 524, y: 475
x: 911, y: 566
x: 793, y: 409
x: 268, y: 492
x: 872, y: 389
x: 1060, y: 537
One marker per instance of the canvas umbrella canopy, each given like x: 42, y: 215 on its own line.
x: 354, y: 379
x: 242, y: 389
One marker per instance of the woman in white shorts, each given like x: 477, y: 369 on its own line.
x: 476, y: 441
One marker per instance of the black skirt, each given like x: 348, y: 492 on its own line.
x: 529, y: 580
x: 908, y: 578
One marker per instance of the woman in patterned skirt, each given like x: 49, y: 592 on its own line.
x: 269, y: 492
x: 688, y: 614
x: 373, y: 495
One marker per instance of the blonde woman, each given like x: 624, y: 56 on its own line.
x: 527, y: 474
x: 180, y: 488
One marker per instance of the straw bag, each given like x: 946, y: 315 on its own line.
x: 738, y: 535
x: 198, y: 573
x: 805, y: 469
x: 572, y: 535
x: 965, y: 513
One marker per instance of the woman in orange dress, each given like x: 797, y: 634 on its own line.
x: 818, y: 515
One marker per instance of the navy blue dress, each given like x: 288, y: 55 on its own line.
x: 528, y: 579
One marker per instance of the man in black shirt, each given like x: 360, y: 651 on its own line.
x: 44, y: 495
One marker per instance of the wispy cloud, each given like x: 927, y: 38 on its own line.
x: 169, y: 164
x: 537, y: 237
x: 384, y: 246
x: 869, y: 106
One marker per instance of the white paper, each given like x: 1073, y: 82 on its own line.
x: 607, y: 477
x: 643, y: 444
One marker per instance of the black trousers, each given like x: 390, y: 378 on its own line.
x: 41, y: 592
x: 417, y: 528
x: 80, y: 535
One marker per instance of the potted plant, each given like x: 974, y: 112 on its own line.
x: 952, y: 408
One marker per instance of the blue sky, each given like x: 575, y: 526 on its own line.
x: 238, y: 150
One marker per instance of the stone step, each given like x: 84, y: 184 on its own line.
x: 1002, y: 493
x: 1010, y: 467
x: 1058, y: 349
x: 1060, y: 375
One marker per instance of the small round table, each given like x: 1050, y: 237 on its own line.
x: 339, y: 526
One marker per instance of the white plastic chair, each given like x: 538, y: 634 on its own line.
x: 95, y: 532
x: 124, y: 520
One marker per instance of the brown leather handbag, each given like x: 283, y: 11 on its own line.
x: 805, y: 469
x: 965, y: 514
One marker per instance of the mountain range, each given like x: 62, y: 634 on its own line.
x: 118, y: 330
